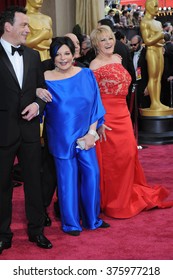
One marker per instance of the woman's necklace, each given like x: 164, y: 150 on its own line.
x: 65, y: 73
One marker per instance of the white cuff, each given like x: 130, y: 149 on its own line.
x: 38, y: 108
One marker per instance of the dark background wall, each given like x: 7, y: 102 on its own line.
x: 5, y: 3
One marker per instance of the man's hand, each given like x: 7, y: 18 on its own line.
x: 146, y: 92
x: 30, y: 112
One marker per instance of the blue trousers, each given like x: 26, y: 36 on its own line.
x: 78, y: 191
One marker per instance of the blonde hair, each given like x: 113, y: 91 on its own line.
x: 97, y: 33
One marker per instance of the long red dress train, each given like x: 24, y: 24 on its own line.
x: 124, y: 190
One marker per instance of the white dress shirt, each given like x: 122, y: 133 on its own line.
x: 16, y: 60
x: 136, y: 58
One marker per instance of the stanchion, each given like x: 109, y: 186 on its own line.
x: 134, y: 108
x: 136, y: 115
x: 132, y: 97
x: 171, y: 101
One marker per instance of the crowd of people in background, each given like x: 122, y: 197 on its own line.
x: 125, y: 16
x: 124, y: 21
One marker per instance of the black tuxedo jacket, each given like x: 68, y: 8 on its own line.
x: 168, y: 60
x: 143, y: 101
x: 124, y: 52
x: 142, y: 63
x: 166, y: 97
x: 14, y: 99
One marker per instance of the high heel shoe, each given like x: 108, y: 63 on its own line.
x: 104, y: 225
x: 73, y: 232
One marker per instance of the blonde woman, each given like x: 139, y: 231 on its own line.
x: 124, y: 190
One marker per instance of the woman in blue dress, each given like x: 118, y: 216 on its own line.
x: 72, y: 116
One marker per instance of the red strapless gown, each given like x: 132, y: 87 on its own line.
x: 124, y: 190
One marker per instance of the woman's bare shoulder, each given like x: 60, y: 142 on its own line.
x: 49, y: 74
x: 118, y: 58
x: 94, y: 64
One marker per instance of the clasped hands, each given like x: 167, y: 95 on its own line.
x: 89, y: 139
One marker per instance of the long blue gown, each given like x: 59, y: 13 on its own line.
x: 75, y: 105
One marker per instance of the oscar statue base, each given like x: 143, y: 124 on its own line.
x: 155, y: 127
x: 147, y: 112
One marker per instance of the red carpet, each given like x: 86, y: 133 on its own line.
x: 147, y: 236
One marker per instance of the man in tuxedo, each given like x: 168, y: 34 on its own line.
x: 138, y: 53
x: 21, y: 77
x: 167, y: 77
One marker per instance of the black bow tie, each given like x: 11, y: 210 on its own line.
x: 19, y: 50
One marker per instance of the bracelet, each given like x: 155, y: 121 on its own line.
x: 94, y: 133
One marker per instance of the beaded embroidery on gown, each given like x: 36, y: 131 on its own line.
x: 124, y: 190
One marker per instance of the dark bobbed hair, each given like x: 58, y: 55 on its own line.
x: 9, y: 16
x: 57, y: 43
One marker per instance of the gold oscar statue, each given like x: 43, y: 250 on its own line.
x: 40, y: 36
x: 153, y: 37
